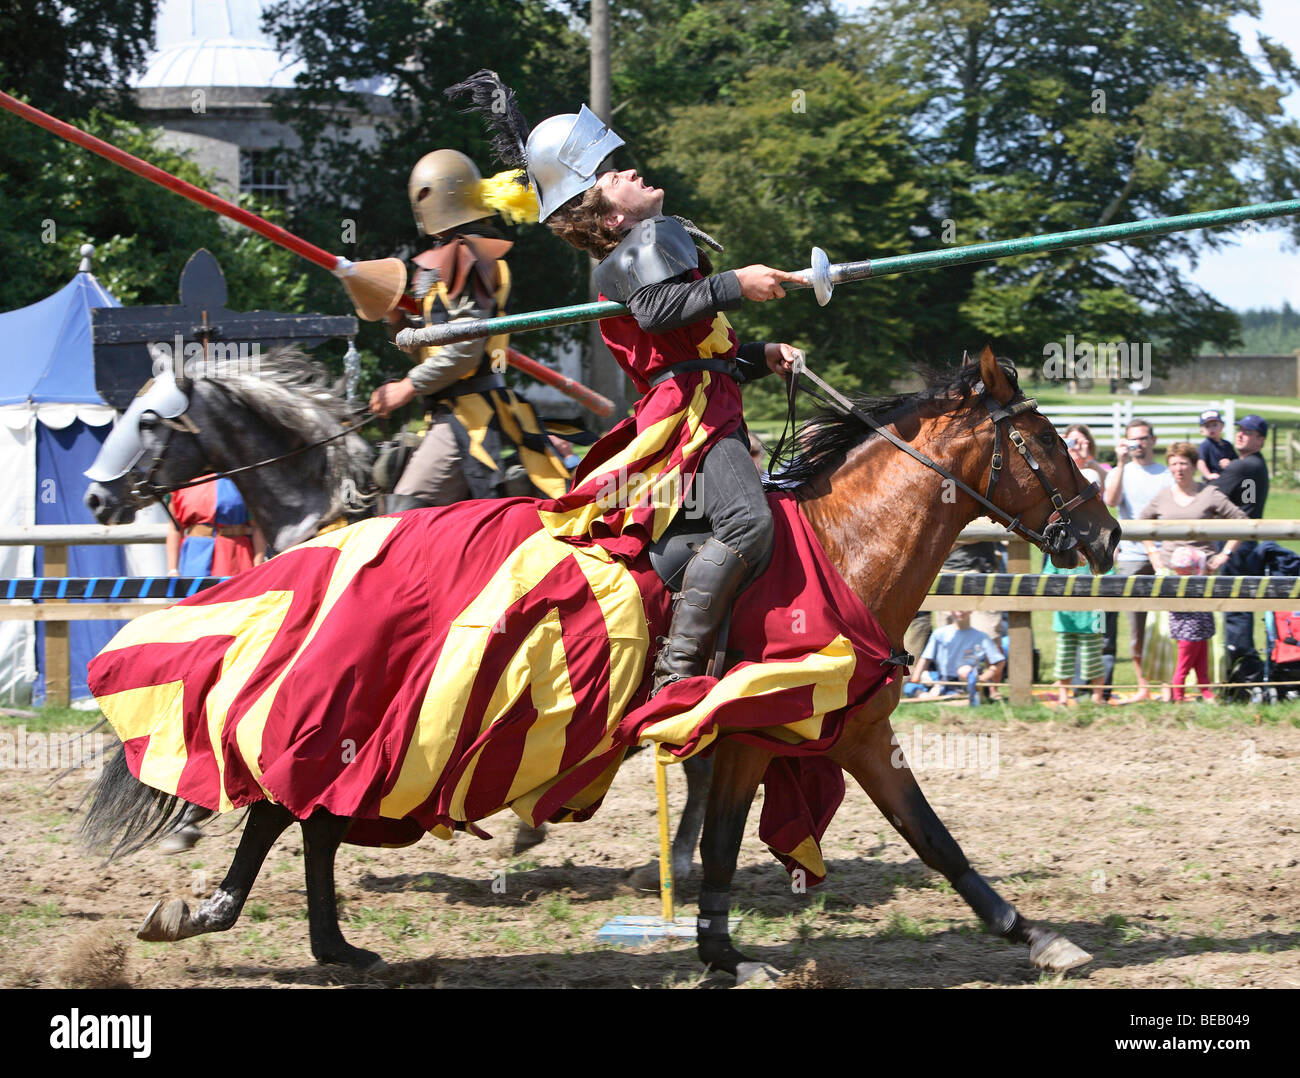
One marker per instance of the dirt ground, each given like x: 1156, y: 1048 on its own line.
x: 1167, y: 850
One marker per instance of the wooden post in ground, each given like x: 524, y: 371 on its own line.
x: 57, y: 656
x: 1020, y: 658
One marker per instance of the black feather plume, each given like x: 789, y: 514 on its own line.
x: 496, y: 101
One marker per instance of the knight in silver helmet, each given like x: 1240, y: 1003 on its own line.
x: 679, y: 350
x: 565, y: 154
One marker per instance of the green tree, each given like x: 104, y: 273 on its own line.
x: 71, y: 57
x: 1056, y: 114
x: 413, y: 50
x: 802, y: 156
x: 55, y: 196
x: 666, y: 54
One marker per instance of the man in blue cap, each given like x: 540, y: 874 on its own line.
x: 1245, y: 483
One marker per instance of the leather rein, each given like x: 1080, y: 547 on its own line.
x: 1059, y: 535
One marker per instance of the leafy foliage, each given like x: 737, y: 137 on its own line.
x: 804, y: 156
x: 1270, y: 332
x: 71, y: 57
x: 922, y: 123
x: 1057, y: 114
x: 412, y: 50
x: 55, y: 196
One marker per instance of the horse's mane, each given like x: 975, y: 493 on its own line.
x: 826, y: 439
x: 290, y: 391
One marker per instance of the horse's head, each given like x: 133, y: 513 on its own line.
x: 273, y: 422
x: 150, y: 449
x: 1017, y: 461
x: 969, y: 444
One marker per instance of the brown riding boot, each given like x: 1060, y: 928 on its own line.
x: 709, y: 583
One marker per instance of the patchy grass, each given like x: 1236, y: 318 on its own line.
x: 900, y: 926
x: 40, y: 915
x: 47, y: 719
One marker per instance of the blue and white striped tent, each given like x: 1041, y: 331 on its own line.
x: 52, y: 423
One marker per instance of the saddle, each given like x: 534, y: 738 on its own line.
x: 677, y: 546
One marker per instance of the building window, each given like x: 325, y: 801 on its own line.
x: 260, y: 178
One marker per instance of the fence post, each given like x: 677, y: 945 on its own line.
x: 1020, y: 645
x: 57, y: 662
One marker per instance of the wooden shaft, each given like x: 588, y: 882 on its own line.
x: 665, y: 846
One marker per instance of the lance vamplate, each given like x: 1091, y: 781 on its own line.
x: 374, y: 287
x: 823, y: 275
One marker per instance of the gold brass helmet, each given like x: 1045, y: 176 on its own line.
x: 445, y: 190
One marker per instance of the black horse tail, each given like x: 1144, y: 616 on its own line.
x: 125, y: 813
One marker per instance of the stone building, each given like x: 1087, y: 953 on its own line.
x: 210, y: 84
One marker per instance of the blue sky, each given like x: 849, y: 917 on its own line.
x: 1256, y: 271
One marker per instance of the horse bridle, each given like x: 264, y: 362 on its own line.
x: 1059, y: 535
x: 144, y: 491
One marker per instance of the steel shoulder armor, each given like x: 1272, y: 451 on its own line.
x: 655, y: 250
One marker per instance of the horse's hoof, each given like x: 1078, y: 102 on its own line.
x: 182, y: 839
x: 644, y: 877
x: 166, y: 922
x: 757, y: 975
x: 355, y: 958
x: 527, y: 837
x: 1057, y: 955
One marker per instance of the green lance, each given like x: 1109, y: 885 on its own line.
x: 823, y: 275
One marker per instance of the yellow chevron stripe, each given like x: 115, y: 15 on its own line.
x: 475, y: 412
x: 610, y: 488
x: 517, y: 420
x: 829, y: 670
x: 537, y: 667
x: 443, y: 708
x: 506, y: 417
x: 809, y: 854
x: 252, y: 623
x: 148, y: 711
x: 541, y: 468
x: 357, y: 545
x: 718, y: 342
x: 629, y: 644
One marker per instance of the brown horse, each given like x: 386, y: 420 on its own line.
x: 887, y: 520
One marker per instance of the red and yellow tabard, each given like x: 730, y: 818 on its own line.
x: 631, y: 484
x: 424, y: 671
